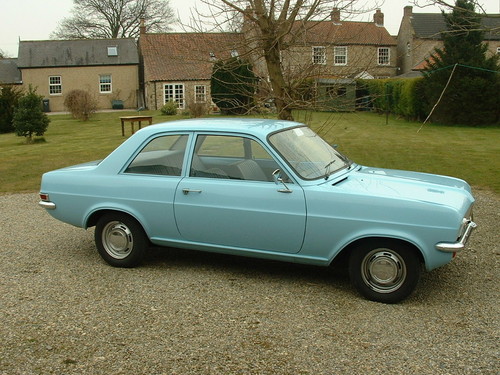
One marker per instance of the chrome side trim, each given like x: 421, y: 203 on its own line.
x: 449, y: 247
x: 47, y: 205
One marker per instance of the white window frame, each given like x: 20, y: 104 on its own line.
x: 175, y: 92
x: 318, y: 55
x: 200, y: 93
x: 384, y: 56
x: 55, y: 85
x: 338, y: 56
x: 498, y: 50
x: 105, y: 87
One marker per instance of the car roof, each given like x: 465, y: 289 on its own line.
x: 252, y: 126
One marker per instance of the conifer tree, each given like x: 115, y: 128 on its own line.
x: 471, y: 94
x: 29, y: 118
x: 233, y: 85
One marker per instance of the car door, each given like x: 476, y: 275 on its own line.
x: 228, y: 199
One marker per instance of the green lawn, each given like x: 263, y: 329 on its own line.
x: 469, y: 153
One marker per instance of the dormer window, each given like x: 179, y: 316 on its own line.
x: 234, y: 53
x: 212, y: 56
x: 112, y: 50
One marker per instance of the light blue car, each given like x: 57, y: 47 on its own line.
x: 265, y: 189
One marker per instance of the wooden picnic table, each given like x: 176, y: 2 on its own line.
x: 132, y: 120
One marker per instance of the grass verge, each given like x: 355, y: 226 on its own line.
x: 472, y: 154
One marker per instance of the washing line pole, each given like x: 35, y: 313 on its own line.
x: 440, y: 97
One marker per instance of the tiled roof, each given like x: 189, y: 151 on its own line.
x: 344, y: 33
x: 185, y: 56
x: 430, y: 25
x: 9, y: 73
x: 81, y: 52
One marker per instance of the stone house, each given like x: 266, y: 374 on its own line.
x: 178, y: 66
x: 345, y: 49
x: 420, y: 33
x: 331, y: 54
x: 107, y: 68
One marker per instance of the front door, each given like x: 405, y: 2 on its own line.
x: 229, y: 200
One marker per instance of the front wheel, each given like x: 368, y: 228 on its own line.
x: 120, y: 240
x: 384, y: 271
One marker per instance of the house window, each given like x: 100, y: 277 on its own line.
x: 55, y: 85
x: 498, y: 50
x: 340, y: 55
x: 105, y: 83
x: 200, y: 94
x: 112, y: 50
x: 383, y: 56
x: 319, y: 55
x: 175, y: 92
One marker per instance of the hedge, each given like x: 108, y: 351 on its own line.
x: 402, y: 97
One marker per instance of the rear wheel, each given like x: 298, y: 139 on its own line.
x: 120, y: 240
x: 384, y: 271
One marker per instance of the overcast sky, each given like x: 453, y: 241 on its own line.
x: 37, y: 19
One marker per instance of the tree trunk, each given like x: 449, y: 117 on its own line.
x: 272, y: 57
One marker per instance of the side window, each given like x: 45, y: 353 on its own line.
x: 162, y: 156
x: 231, y: 157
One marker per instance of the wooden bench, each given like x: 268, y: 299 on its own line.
x: 132, y: 120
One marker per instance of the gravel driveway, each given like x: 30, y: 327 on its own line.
x: 64, y: 311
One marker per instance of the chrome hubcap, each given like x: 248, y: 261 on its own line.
x: 117, y: 239
x: 383, y: 270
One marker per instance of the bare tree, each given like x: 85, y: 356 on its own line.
x: 114, y: 18
x: 270, y: 29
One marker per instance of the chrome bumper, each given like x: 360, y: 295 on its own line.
x: 47, y: 205
x: 455, y: 247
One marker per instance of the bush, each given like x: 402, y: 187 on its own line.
x: 169, y: 109
x: 29, y: 118
x: 81, y: 104
x: 9, y: 97
x: 198, y: 109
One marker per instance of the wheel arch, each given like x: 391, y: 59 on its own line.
x: 346, y: 250
x: 94, y: 216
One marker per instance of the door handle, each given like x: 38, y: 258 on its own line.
x: 187, y: 191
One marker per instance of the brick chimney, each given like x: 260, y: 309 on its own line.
x: 142, y: 27
x: 408, y: 11
x: 335, y: 16
x: 378, y: 18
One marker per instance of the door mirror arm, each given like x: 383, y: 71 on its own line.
x: 279, y: 180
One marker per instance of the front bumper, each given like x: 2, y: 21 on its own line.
x: 449, y: 247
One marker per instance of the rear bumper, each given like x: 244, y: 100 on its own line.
x: 47, y: 205
x: 454, y: 247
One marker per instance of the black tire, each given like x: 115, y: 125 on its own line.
x: 384, y: 271
x: 120, y: 240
